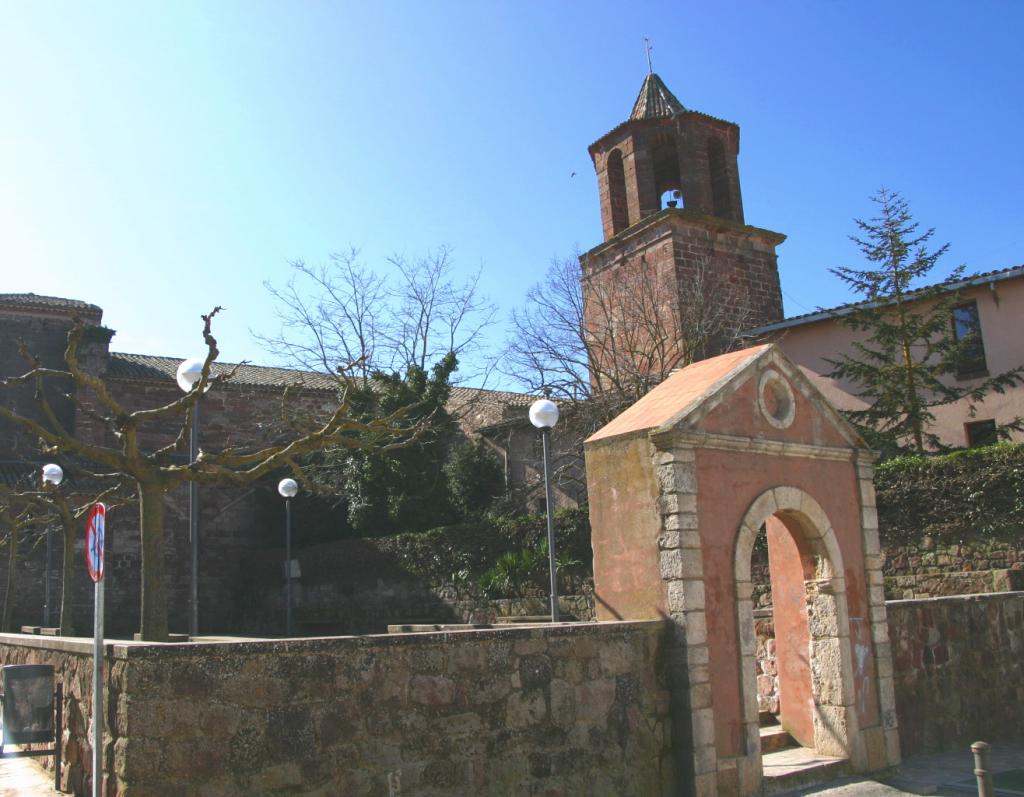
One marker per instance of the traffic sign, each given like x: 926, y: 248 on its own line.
x: 94, y: 536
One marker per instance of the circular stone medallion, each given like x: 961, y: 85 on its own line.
x: 775, y: 399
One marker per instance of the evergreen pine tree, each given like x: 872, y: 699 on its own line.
x: 907, y: 357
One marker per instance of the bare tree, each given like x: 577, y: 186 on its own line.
x: 343, y: 312
x: 157, y: 472
x: 331, y: 315
x: 607, y: 342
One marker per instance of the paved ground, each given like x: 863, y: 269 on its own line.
x: 944, y: 769
x: 852, y: 787
x: 23, y: 777
x: 944, y: 774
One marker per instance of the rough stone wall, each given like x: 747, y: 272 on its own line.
x: 931, y: 570
x: 553, y: 710
x: 72, y: 663
x: 959, y: 669
x: 767, y: 664
x: 334, y: 607
x: 958, y: 665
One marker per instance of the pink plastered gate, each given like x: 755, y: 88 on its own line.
x: 680, y: 485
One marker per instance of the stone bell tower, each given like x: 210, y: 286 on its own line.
x: 674, y: 229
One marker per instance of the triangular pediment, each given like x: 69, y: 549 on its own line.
x: 754, y: 394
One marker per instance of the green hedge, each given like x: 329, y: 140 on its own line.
x: 967, y: 495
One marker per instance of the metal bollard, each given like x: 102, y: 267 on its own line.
x: 981, y: 770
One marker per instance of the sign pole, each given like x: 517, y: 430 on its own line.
x: 95, y: 540
x: 97, y: 695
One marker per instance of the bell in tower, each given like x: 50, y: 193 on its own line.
x: 666, y: 154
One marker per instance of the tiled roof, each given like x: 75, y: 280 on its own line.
x: 682, y: 390
x: 655, y: 100
x: 150, y: 367
x: 16, y: 474
x: 505, y: 397
x: 824, y: 314
x: 33, y: 300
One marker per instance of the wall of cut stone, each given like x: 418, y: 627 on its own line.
x: 958, y: 665
x: 578, y: 709
x: 959, y: 669
x: 930, y: 569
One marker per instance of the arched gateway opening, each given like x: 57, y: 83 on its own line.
x: 811, y: 660
x: 680, y: 485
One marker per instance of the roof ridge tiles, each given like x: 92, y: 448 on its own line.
x: 823, y: 313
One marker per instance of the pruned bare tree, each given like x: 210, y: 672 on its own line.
x: 608, y: 342
x: 343, y: 312
x: 157, y: 472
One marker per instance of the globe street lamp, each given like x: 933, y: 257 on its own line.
x: 288, y: 488
x: 544, y: 415
x: 189, y: 372
x: 53, y: 475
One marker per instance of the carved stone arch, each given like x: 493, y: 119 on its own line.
x: 830, y: 660
x: 794, y: 503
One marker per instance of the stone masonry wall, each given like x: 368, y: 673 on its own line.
x: 72, y: 663
x: 958, y: 665
x: 959, y: 669
x: 930, y: 569
x: 580, y: 709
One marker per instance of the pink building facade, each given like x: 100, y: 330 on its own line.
x: 995, y: 299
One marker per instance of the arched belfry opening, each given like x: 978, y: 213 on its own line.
x: 665, y: 164
x: 718, y: 174
x: 617, y: 192
x: 682, y: 485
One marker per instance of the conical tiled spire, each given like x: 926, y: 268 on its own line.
x: 655, y: 100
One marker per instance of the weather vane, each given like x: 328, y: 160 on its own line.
x: 647, y: 46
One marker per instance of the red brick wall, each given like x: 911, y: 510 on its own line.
x: 663, y: 254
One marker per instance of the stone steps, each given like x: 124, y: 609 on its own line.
x: 774, y: 738
x: 798, y: 768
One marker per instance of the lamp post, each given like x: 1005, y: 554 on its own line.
x: 189, y: 372
x: 53, y: 475
x: 544, y: 415
x: 288, y: 488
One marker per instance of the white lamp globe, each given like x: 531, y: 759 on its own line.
x: 288, y: 487
x: 188, y: 373
x: 544, y: 413
x: 53, y: 474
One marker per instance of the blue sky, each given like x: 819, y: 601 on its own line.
x: 160, y: 158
